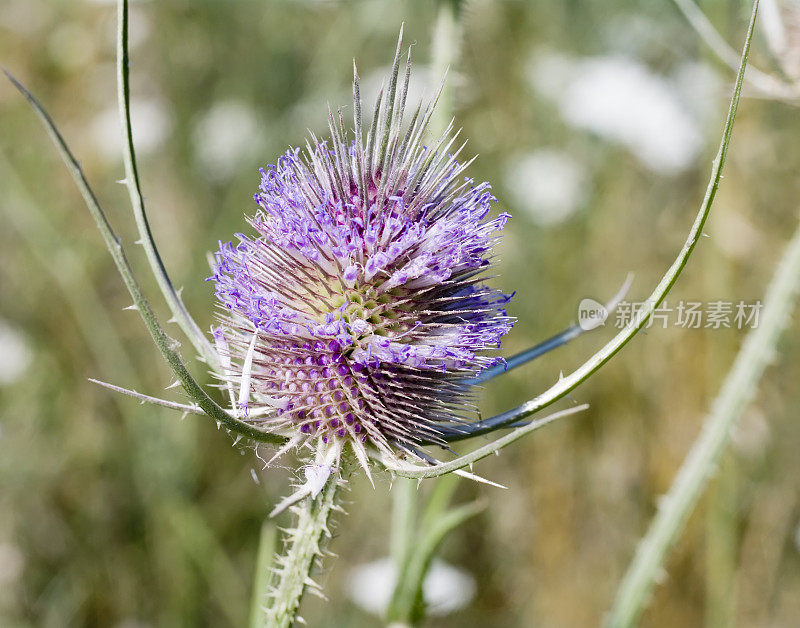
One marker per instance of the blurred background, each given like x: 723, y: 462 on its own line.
x: 596, y: 124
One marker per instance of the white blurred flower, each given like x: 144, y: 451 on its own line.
x: 621, y: 100
x: 752, y: 434
x: 22, y: 16
x: 151, y: 126
x: 633, y: 33
x: 701, y: 88
x: 12, y: 562
x: 550, y: 73
x: 225, y: 135
x: 446, y: 588
x: 15, y: 354
x: 549, y: 184
x: 736, y: 236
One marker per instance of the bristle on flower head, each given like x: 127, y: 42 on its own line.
x: 357, y: 311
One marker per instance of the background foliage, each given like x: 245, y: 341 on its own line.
x: 113, y: 513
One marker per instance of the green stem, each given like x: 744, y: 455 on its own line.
x: 404, y: 506
x: 173, y: 299
x: 266, y: 552
x: 292, y: 575
x: 739, y: 386
x: 446, y: 41
x: 443, y: 468
x: 568, y: 383
x: 166, y: 345
x: 407, y: 604
x: 405, y: 495
x: 70, y: 274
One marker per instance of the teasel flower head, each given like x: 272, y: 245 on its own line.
x: 356, y: 312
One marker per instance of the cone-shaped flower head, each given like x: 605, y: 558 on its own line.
x: 357, y: 312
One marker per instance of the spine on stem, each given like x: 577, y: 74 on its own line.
x: 304, y: 544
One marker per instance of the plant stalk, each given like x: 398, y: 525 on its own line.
x: 166, y: 345
x: 568, y: 383
x: 292, y: 574
x: 701, y: 463
x: 404, y: 508
x: 179, y: 312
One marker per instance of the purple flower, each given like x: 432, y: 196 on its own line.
x: 356, y: 311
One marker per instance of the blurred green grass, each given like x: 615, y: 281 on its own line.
x: 117, y: 514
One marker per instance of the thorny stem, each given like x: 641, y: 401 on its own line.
x: 166, y: 345
x: 739, y: 386
x: 303, y: 549
x: 417, y: 472
x: 567, y: 384
x: 94, y: 322
x: 173, y: 299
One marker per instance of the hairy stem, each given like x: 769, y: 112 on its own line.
x: 292, y: 575
x: 757, y: 351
